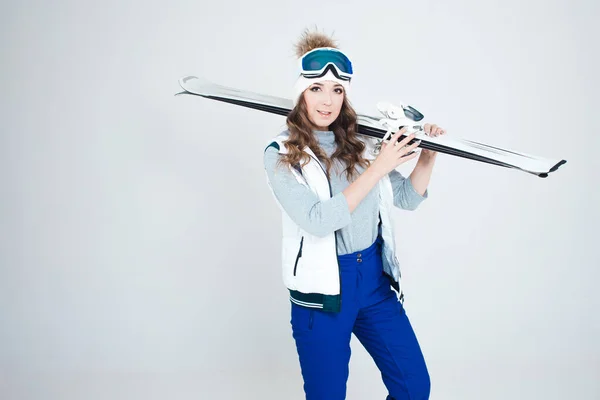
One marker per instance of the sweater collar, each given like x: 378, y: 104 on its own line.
x: 325, y: 138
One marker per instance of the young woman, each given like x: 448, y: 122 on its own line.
x: 338, y: 244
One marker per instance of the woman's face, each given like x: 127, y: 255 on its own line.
x: 323, y: 103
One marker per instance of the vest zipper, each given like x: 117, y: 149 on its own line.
x: 334, y: 236
x: 299, y: 255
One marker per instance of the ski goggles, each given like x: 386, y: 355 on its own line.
x: 317, y: 62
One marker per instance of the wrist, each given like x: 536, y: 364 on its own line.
x: 427, y: 156
x: 374, y: 171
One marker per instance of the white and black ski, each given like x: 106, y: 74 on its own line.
x: 377, y: 127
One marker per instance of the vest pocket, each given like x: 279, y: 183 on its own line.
x: 299, y: 255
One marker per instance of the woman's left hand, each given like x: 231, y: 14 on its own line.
x: 432, y: 130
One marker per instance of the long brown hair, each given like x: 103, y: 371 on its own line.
x: 349, y: 148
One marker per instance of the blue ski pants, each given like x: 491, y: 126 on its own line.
x: 371, y: 310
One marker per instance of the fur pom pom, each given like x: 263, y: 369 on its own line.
x: 312, y: 40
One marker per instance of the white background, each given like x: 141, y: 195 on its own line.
x: 140, y: 245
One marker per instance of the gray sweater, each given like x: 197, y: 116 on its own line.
x: 354, y: 231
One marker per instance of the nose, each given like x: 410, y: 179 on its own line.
x: 327, y: 98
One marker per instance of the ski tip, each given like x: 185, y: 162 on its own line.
x: 186, y: 79
x: 193, y: 81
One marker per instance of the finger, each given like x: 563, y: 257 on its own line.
x: 406, y: 140
x: 409, y: 148
x: 434, y: 130
x: 427, y: 128
x: 407, y: 157
x: 400, y: 133
x: 387, y: 135
x: 394, y: 139
x: 416, y: 144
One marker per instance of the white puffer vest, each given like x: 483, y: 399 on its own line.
x: 310, y: 266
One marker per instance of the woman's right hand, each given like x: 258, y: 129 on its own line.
x: 394, y: 153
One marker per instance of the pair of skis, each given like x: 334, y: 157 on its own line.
x: 380, y: 127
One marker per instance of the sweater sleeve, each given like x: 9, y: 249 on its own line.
x: 405, y: 195
x: 315, y: 216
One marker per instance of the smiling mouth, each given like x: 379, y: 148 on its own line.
x: 324, y: 113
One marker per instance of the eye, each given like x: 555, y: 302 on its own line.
x: 314, y: 88
x: 339, y: 90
